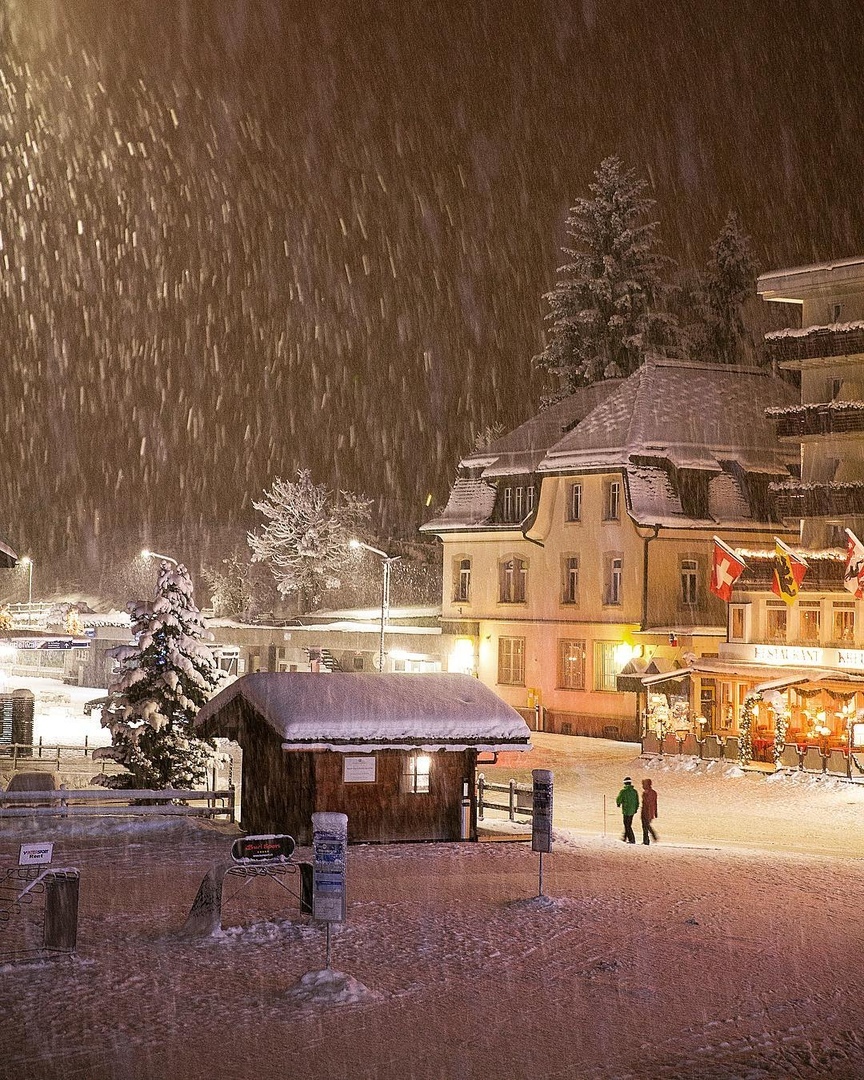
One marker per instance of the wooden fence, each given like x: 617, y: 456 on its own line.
x: 69, y: 802
x: 520, y: 798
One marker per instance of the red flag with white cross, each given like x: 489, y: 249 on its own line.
x: 726, y: 568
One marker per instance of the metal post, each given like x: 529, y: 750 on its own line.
x: 540, y: 892
x: 512, y: 800
x: 328, y: 946
x: 481, y: 783
x: 385, y: 603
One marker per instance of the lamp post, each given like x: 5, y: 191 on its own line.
x: 387, y: 562
x: 145, y: 554
x: 28, y: 562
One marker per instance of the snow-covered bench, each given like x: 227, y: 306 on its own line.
x: 68, y: 802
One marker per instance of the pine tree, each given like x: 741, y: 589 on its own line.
x: 720, y: 335
x: 165, y: 678
x: 306, y: 540
x: 605, y: 309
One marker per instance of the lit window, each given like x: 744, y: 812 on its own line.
x: 607, y: 665
x: 776, y: 622
x: 612, y: 501
x: 462, y: 581
x: 512, y: 575
x: 571, y: 665
x: 689, y: 581
x: 511, y: 661
x: 570, y: 593
x: 809, y: 621
x: 844, y: 624
x: 574, y: 503
x: 416, y: 775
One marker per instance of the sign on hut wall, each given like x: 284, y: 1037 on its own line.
x: 359, y: 770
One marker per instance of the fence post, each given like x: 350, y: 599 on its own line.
x: 61, y: 911
x: 512, y: 800
x: 40, y: 746
x: 86, y: 737
x: 481, y: 782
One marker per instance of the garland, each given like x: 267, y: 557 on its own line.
x: 745, y: 725
x: 781, y: 726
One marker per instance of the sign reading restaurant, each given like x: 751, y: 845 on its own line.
x: 801, y: 655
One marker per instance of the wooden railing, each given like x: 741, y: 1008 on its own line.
x: 69, y: 802
x: 520, y: 798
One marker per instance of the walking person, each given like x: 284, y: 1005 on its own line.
x: 628, y: 800
x: 649, y: 812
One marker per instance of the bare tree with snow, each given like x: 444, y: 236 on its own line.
x: 306, y: 540
x: 164, y: 679
x: 606, y: 309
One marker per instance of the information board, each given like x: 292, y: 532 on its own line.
x: 329, y: 848
x: 541, y: 828
x: 36, y: 854
x: 359, y: 770
x: 271, y: 847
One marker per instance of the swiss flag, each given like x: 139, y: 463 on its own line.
x: 725, y: 570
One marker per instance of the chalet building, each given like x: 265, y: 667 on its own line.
x: 397, y: 754
x: 790, y: 678
x: 577, y: 548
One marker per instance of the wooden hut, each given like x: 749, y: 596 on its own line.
x: 396, y: 753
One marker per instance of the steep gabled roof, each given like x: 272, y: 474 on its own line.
x: 350, y: 712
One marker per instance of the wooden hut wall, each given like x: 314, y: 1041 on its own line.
x: 384, y: 810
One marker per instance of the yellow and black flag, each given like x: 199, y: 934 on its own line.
x: 789, y: 571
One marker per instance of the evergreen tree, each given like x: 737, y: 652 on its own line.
x: 306, y: 540
x: 165, y: 678
x: 606, y: 307
x: 720, y: 335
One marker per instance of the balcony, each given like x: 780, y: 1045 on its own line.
x: 793, y: 347
x: 824, y: 573
x: 794, y: 499
x: 831, y: 418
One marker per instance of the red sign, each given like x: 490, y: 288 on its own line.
x: 277, y: 847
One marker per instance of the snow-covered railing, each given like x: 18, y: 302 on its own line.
x: 68, y: 802
x: 811, y: 342
x: 520, y: 798
x: 818, y: 418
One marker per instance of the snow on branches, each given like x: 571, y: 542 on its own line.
x: 164, y: 679
x: 306, y: 540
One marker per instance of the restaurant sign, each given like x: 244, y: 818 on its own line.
x: 805, y: 656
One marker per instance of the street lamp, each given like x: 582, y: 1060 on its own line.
x: 145, y: 554
x: 28, y: 562
x: 387, y: 562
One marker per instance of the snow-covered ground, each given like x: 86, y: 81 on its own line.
x: 729, y: 949
x: 58, y: 716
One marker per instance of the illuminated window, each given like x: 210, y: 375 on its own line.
x: 844, y: 624
x: 776, y: 619
x: 739, y: 622
x: 462, y: 581
x: 416, y: 775
x: 570, y: 592
x: 571, y: 665
x: 511, y: 661
x: 809, y: 621
x: 512, y: 577
x: 606, y: 665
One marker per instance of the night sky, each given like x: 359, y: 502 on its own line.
x: 245, y: 236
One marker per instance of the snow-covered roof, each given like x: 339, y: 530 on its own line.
x: 351, y: 711
x: 8, y: 558
x: 669, y: 416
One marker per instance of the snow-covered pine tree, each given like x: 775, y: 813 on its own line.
x: 606, y: 309
x: 306, y: 540
x: 720, y: 335
x: 165, y: 678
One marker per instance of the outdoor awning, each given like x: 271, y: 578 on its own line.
x: 767, y: 678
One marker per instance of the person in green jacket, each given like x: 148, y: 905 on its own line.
x: 628, y: 800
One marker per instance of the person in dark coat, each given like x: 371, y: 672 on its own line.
x: 628, y: 800
x: 649, y: 812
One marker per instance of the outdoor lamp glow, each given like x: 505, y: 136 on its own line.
x: 145, y: 554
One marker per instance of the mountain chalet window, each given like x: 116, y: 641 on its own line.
x: 415, y: 778
x: 689, y: 582
x: 574, y: 502
x: 517, y: 502
x: 612, y: 500
x: 776, y: 620
x: 809, y: 621
x: 511, y: 661
x: 612, y: 580
x: 843, y: 624
x: 462, y: 581
x: 571, y: 665
x: 606, y: 667
x: 570, y: 591
x: 512, y: 574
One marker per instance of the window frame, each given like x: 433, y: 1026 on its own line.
x: 570, y: 580
x: 511, y: 661
x: 809, y: 607
x: 513, y: 580
x: 567, y: 680
x: 843, y: 609
x: 688, y: 569
x: 776, y: 609
x: 462, y: 580
x: 574, y: 501
x: 605, y: 680
x: 417, y: 780
x: 613, y: 580
x: 612, y: 500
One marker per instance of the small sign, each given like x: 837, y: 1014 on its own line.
x: 359, y: 770
x: 274, y: 847
x: 329, y: 847
x: 541, y: 829
x: 36, y: 854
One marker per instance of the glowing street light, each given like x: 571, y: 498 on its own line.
x: 25, y: 560
x: 145, y: 554
x: 387, y: 562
